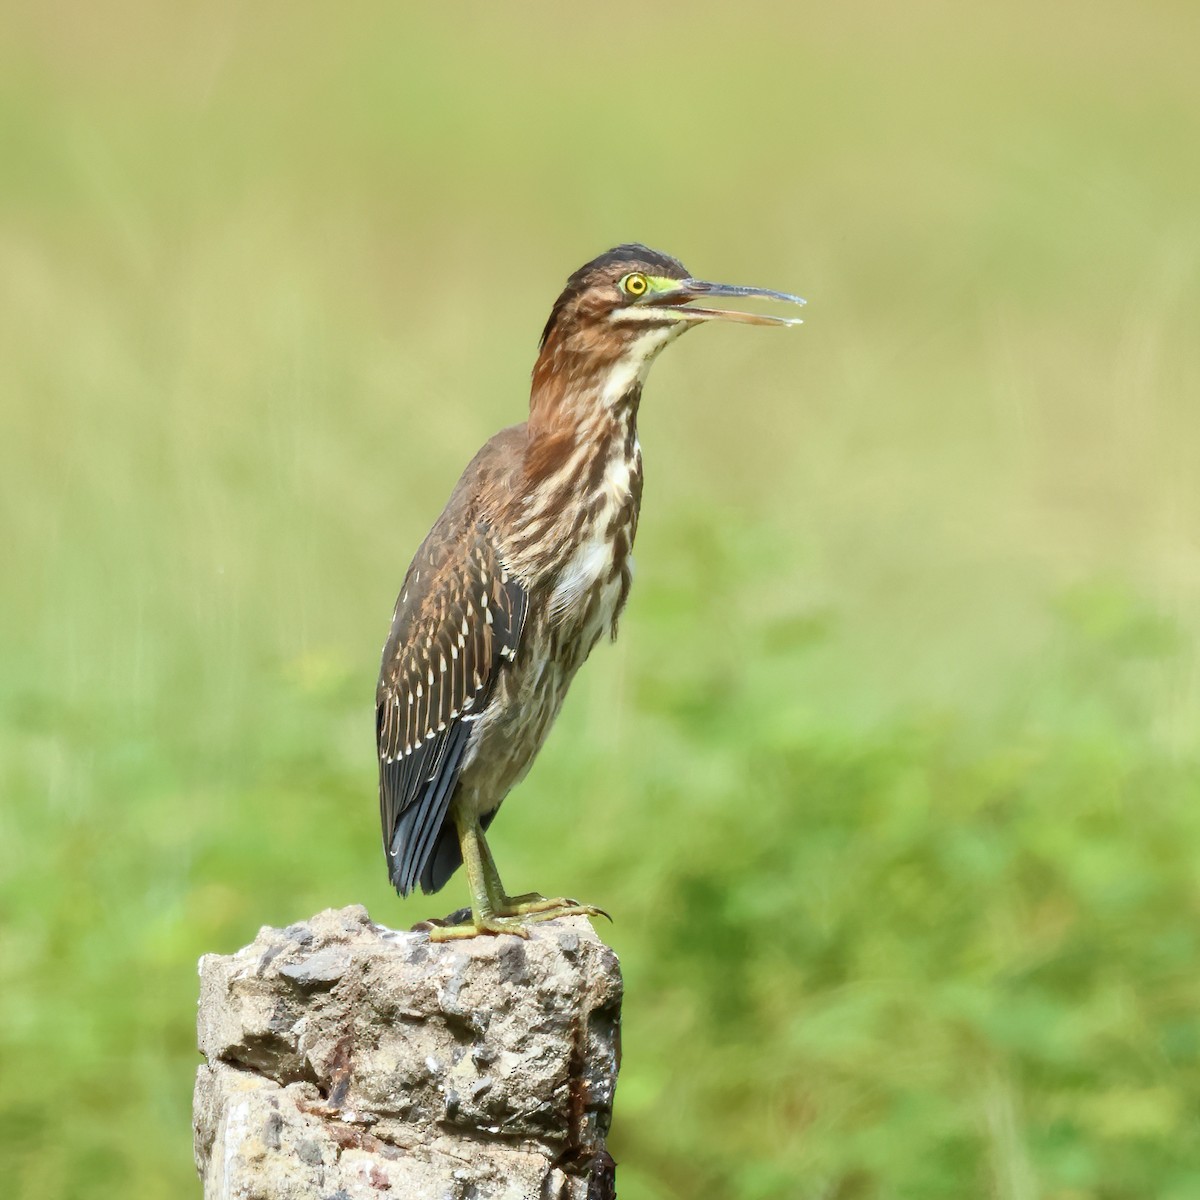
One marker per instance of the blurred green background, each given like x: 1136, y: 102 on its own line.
x: 891, y: 783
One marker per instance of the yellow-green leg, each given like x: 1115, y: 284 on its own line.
x: 485, y: 914
x: 493, y: 910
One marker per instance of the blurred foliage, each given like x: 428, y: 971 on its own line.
x: 891, y: 782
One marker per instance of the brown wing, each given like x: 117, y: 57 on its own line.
x: 457, y: 624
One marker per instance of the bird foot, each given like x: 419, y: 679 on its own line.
x: 512, y: 916
x: 473, y: 926
x: 535, y: 907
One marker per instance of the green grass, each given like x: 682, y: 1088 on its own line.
x: 893, y: 780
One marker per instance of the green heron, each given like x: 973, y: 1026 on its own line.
x: 521, y: 574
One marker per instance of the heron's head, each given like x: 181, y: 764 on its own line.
x: 619, y: 310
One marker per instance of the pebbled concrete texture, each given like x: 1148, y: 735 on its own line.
x: 345, y: 1060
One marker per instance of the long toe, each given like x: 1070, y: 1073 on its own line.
x: 480, y: 926
x: 570, y: 910
x: 512, y: 902
x: 562, y: 906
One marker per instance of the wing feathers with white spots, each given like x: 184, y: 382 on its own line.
x: 457, y: 625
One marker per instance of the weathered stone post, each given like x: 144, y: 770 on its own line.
x: 347, y: 1061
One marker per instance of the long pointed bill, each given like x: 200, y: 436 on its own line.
x: 679, y: 300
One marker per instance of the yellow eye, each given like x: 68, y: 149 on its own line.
x: 635, y: 284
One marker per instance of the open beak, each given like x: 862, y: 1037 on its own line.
x: 680, y: 299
